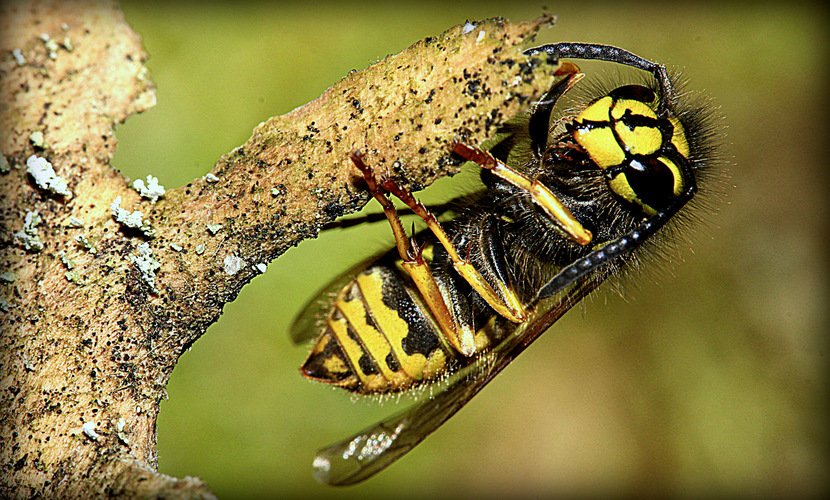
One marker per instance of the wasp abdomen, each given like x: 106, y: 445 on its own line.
x: 378, y: 337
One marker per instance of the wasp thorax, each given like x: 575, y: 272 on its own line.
x: 638, y: 150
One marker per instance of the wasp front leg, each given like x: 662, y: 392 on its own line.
x: 500, y: 297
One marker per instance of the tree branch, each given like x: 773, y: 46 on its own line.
x: 99, y: 301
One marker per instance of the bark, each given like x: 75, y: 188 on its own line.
x: 94, y: 312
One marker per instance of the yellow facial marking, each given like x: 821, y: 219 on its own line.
x: 621, y: 185
x: 636, y: 140
x: 679, y: 184
x: 636, y: 108
x: 639, y: 140
x: 623, y: 135
x: 601, y: 145
x: 678, y: 137
x: 597, y: 112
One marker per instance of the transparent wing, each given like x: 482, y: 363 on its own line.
x: 306, y: 325
x: 370, y: 451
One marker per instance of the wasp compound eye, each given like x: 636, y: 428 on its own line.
x: 653, y: 183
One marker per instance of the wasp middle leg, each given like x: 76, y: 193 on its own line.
x: 562, y: 217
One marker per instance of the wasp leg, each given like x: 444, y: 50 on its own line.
x: 501, y: 298
x: 459, y: 333
x: 540, y: 193
x: 539, y: 122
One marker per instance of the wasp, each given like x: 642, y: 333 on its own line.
x: 568, y: 200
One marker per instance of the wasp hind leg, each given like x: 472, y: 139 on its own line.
x: 458, y: 333
x: 500, y: 297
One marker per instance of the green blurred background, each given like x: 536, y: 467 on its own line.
x: 708, y: 377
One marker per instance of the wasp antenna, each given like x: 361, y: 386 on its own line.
x: 609, y: 53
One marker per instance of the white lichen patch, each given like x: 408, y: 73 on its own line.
x: 146, y: 264
x: 176, y: 247
x: 5, y: 168
x: 120, y: 424
x: 209, y: 177
x: 213, y: 228
x: 19, y: 58
x: 28, y: 237
x: 200, y: 249
x: 261, y: 267
x: 233, y: 264
x: 74, y: 277
x: 85, y: 243
x: 74, y: 222
x: 468, y: 27
x: 45, y: 177
x: 51, y: 46
x: 89, y: 430
x: 69, y: 263
x: 7, y: 277
x: 130, y: 219
x: 151, y: 189
x: 37, y: 140
x: 124, y: 216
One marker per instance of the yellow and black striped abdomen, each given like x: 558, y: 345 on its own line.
x: 378, y: 337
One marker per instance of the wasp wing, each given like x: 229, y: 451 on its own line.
x: 370, y: 451
x: 306, y: 326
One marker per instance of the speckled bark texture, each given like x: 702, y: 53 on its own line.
x: 95, y: 313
